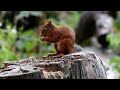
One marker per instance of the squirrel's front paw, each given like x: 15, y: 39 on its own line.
x: 43, y: 38
x: 51, y: 54
x: 60, y: 55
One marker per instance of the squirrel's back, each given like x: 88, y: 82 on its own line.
x: 67, y: 32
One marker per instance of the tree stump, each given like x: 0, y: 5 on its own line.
x: 81, y: 65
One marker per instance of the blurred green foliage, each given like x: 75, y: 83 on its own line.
x: 7, y: 41
x: 71, y: 18
x: 15, y: 45
x: 117, y: 21
x: 115, y: 62
x: 114, y: 40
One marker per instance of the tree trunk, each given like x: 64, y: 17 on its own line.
x: 82, y: 65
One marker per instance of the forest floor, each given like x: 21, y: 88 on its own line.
x: 105, y: 55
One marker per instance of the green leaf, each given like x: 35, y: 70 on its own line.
x: 115, y: 60
x: 29, y: 46
x: 114, y: 40
x: 118, y: 68
x: 7, y: 55
x: 20, y: 45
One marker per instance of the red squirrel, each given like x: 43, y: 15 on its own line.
x: 63, y: 38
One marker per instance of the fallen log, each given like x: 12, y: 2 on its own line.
x: 81, y: 65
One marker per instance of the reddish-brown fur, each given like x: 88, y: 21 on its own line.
x: 63, y: 37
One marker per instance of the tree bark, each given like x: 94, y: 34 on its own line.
x: 81, y: 65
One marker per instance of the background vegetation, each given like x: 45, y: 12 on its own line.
x: 114, y: 40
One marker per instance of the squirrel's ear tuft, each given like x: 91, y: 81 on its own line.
x: 49, y: 22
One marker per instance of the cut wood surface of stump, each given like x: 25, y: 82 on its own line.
x: 81, y: 65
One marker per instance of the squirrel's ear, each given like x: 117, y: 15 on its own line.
x: 49, y: 22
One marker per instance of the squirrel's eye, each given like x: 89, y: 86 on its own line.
x: 45, y: 29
